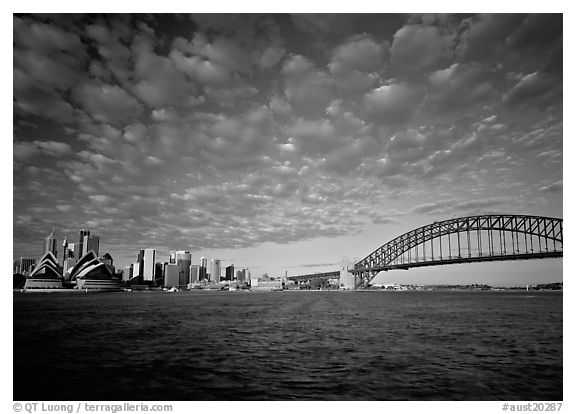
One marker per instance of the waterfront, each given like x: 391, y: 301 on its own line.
x: 285, y: 346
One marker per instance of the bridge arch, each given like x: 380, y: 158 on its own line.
x: 528, y: 236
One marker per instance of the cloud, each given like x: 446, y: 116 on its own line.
x: 555, y: 187
x: 45, y: 38
x: 110, y: 47
x: 107, y: 103
x: 393, y: 103
x: 479, y: 206
x: 360, y: 52
x: 458, y: 88
x: 538, y: 88
x: 306, y: 88
x: 23, y: 150
x: 159, y: 83
x: 419, y: 48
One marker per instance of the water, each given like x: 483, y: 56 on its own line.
x: 288, y: 345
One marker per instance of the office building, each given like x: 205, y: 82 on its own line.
x: 26, y: 265
x: 159, y: 273
x: 194, y: 274
x: 172, y: 257
x: 229, y: 273
x: 91, y: 243
x: 202, y: 269
x: 50, y: 244
x: 140, y: 260
x: 136, y: 269
x: 127, y: 272
x: 183, y: 260
x: 215, y: 270
x: 79, y: 247
x: 149, y: 265
x: 171, y: 275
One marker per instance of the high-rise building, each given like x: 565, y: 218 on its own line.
x: 229, y: 273
x: 159, y: 272
x: 215, y: 270
x: 239, y: 276
x: 79, y: 248
x: 90, y: 243
x: 50, y: 244
x: 127, y: 272
x: 149, y: 264
x: 140, y: 261
x: 194, y: 274
x: 183, y: 260
x: 26, y: 265
x: 136, y: 269
x: 202, y: 271
x: 172, y: 257
x: 171, y: 275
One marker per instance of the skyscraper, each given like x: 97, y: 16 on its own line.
x: 183, y: 260
x: 140, y: 270
x: 79, y: 247
x: 229, y: 272
x: 149, y: 264
x: 215, y: 270
x: 194, y: 275
x: 90, y: 243
x: 50, y: 244
x: 171, y: 276
x: 202, y: 269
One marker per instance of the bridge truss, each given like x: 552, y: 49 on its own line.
x: 465, y: 240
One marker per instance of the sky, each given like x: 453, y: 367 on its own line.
x: 284, y: 143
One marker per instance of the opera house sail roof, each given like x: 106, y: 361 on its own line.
x: 47, y: 268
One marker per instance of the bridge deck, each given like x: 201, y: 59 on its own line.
x: 456, y: 260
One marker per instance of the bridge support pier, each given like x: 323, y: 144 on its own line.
x: 363, y: 278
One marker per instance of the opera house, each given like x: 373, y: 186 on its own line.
x: 88, y: 274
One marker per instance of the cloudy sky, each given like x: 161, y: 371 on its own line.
x: 283, y: 142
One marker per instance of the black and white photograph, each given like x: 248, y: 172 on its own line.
x: 286, y: 207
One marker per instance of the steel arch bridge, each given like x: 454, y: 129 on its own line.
x: 470, y: 239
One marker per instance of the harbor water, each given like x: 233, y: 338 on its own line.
x: 336, y: 345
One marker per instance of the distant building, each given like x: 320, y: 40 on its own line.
x: 267, y: 285
x: 159, y: 272
x: 229, y: 273
x: 70, y: 251
x: 50, y: 244
x: 26, y: 265
x: 215, y: 270
x: 127, y: 272
x: 172, y: 257
x: 171, y: 275
x: 202, y: 271
x: 108, y: 262
x: 194, y: 274
x: 90, y: 243
x: 183, y: 260
x: 136, y: 269
x: 79, y: 247
x: 149, y: 264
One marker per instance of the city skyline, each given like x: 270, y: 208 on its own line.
x: 284, y: 143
